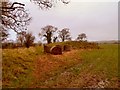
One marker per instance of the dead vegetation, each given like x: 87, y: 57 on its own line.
x: 50, y: 66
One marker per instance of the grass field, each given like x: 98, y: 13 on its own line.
x: 82, y: 68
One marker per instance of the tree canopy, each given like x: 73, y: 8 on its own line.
x: 81, y: 36
x: 29, y: 39
x: 47, y: 32
x: 14, y: 16
x: 64, y: 34
x: 25, y: 38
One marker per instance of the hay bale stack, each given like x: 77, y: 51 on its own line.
x: 93, y: 45
x: 46, y: 49
x: 66, y: 48
x: 56, y: 50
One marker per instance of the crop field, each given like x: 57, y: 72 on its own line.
x: 78, y: 68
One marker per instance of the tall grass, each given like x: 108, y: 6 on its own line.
x: 105, y: 59
x: 102, y: 62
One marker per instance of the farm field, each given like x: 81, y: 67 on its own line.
x: 78, y: 68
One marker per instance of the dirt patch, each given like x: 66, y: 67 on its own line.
x: 47, y: 66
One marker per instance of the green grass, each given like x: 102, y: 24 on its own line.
x: 78, y: 68
x: 105, y: 59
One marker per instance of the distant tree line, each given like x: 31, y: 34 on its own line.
x: 49, y: 33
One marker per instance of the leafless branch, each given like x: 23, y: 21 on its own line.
x: 46, y: 4
x: 14, y: 16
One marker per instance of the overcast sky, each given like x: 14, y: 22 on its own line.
x: 97, y: 18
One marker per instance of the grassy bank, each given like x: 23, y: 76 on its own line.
x: 17, y: 66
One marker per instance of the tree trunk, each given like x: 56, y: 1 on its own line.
x: 63, y: 39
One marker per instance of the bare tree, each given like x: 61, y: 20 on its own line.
x: 29, y: 39
x: 47, y: 32
x: 14, y: 16
x: 81, y: 36
x: 64, y: 34
x: 26, y: 39
x: 21, y: 37
x: 3, y: 34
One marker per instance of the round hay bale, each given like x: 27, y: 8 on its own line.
x: 66, y: 48
x: 56, y: 50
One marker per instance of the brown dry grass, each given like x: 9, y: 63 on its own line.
x: 48, y: 66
